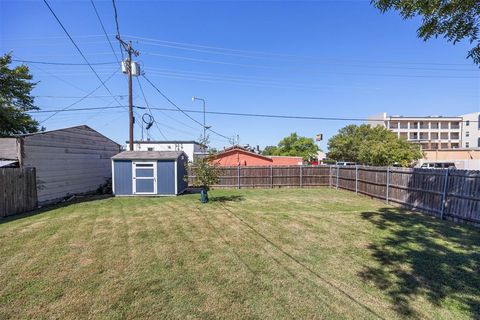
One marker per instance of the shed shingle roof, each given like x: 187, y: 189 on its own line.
x: 148, y: 155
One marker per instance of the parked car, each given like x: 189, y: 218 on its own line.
x: 345, y: 163
x: 438, y: 165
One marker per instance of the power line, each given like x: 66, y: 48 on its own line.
x: 149, y: 109
x: 258, y: 66
x: 105, y: 31
x: 257, y: 115
x: 311, y: 60
x: 64, y: 63
x: 79, y: 50
x: 270, y: 54
x: 172, y: 118
x: 76, y: 97
x: 118, y: 29
x: 79, y: 100
x: 186, y: 114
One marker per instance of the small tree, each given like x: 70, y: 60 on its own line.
x: 205, y: 174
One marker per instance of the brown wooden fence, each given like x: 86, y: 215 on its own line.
x: 18, y: 190
x: 445, y: 193
x: 271, y: 177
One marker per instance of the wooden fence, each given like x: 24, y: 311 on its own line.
x: 444, y: 193
x: 271, y: 177
x: 18, y: 190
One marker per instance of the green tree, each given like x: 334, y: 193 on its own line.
x: 15, y: 99
x: 376, y: 146
x: 345, y: 146
x: 453, y: 20
x: 294, y: 145
x: 269, y: 150
x: 205, y: 174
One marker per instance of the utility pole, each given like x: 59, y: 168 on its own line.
x: 128, y: 48
x: 130, y: 97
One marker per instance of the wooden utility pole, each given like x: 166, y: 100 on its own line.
x: 131, y: 119
x: 130, y: 98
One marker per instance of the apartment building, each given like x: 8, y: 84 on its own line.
x: 434, y: 132
x: 471, y: 130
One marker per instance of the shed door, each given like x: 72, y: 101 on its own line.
x: 144, y: 178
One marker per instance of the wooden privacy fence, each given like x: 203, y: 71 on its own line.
x: 444, y: 193
x: 271, y: 177
x: 18, y: 190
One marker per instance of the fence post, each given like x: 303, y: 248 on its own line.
x: 330, y: 176
x: 271, y: 177
x: 444, y: 194
x: 356, y: 179
x: 338, y: 169
x: 238, y: 176
x: 388, y: 183
x: 301, y: 176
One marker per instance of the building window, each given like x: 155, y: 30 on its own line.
x: 478, y: 143
x: 149, y: 149
x: 423, y: 125
x: 467, y: 145
x: 467, y: 123
x: 467, y: 133
x: 454, y: 145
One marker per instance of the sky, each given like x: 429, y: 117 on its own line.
x: 342, y: 59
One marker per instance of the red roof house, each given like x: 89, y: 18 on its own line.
x: 238, y: 156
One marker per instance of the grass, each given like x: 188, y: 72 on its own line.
x: 266, y: 254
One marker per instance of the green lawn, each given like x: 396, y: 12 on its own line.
x: 266, y: 254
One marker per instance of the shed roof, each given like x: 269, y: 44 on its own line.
x: 148, y: 155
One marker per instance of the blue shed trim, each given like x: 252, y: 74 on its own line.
x: 122, y: 176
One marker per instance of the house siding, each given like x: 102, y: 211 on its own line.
x: 68, y: 161
x: 9, y: 149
